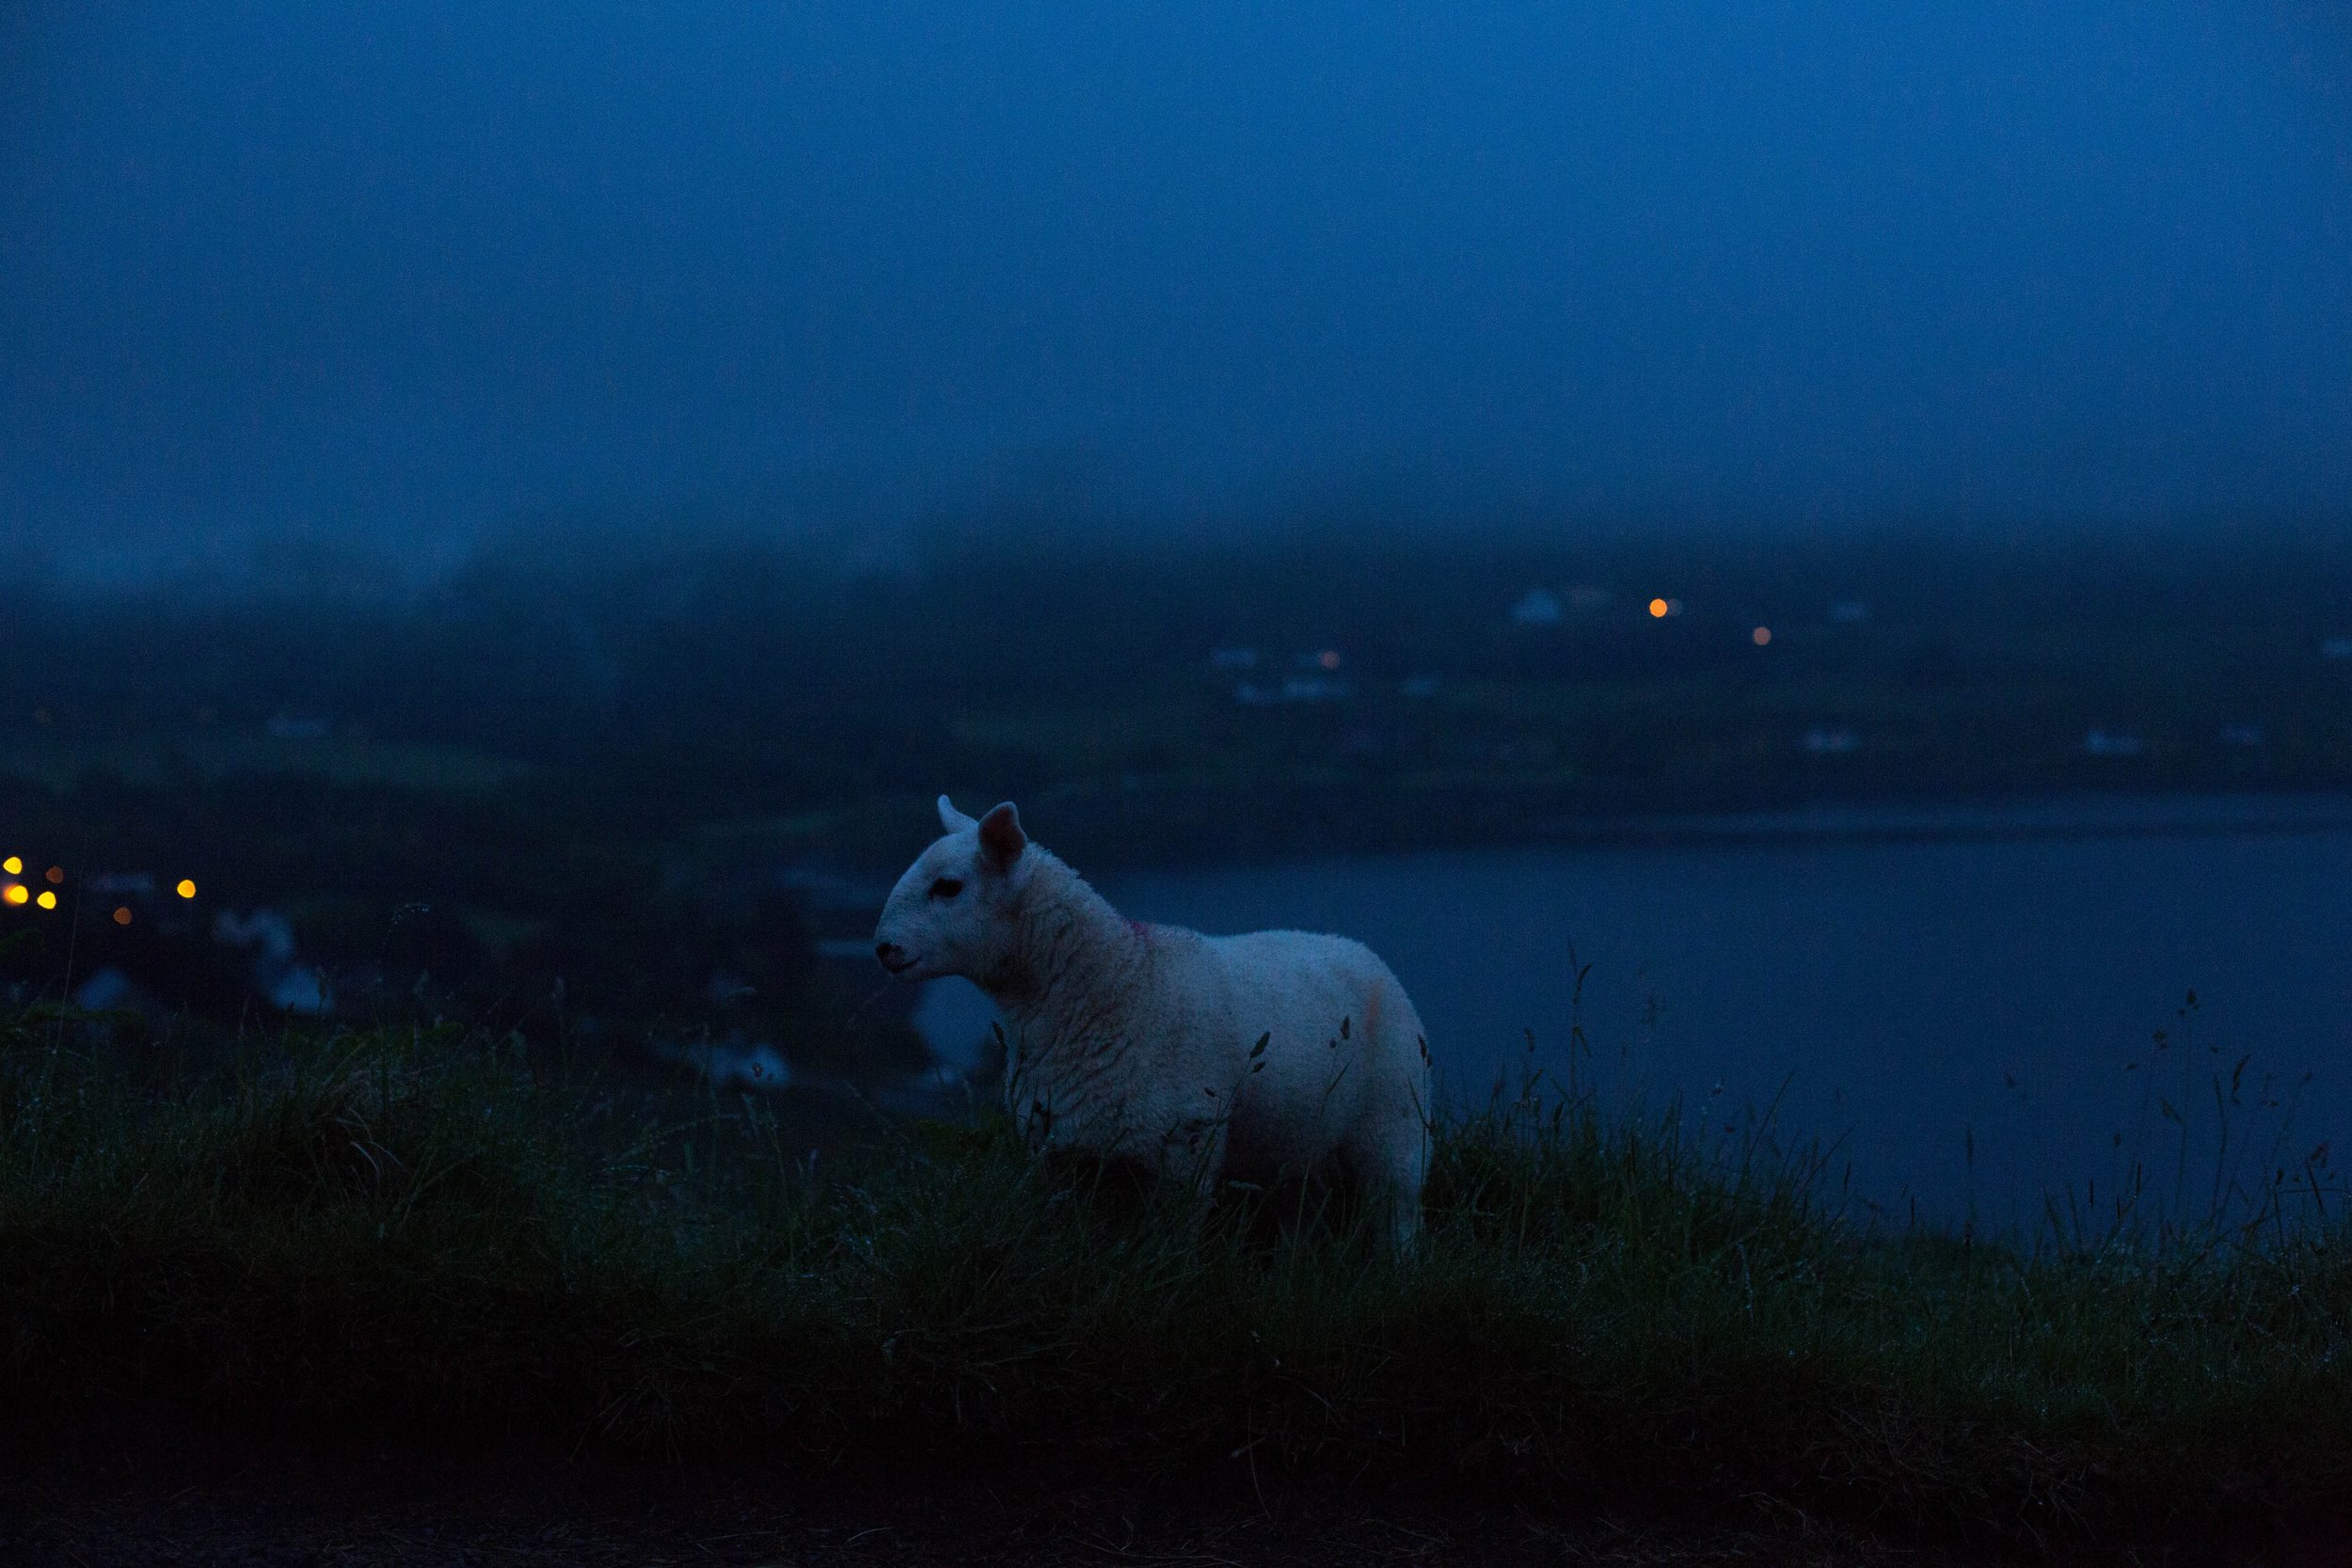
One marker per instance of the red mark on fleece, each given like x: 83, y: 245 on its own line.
x: 1142, y: 928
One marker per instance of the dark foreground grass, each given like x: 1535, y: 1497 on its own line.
x: 401, y: 1234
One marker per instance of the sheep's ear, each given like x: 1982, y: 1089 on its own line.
x: 1001, y: 838
x: 950, y: 819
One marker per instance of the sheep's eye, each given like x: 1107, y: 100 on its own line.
x: 947, y: 887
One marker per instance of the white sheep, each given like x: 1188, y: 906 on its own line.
x: 1206, y: 1059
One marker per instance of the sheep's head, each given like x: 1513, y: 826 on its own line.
x: 952, y: 913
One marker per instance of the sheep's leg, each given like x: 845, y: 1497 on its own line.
x: 1193, y: 1158
x: 1389, y: 1159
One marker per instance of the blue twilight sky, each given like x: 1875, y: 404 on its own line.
x: 399, y: 273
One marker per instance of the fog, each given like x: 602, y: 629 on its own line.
x: 383, y: 279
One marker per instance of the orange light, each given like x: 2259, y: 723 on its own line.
x: 1328, y: 659
x: 1760, y: 635
x: 14, y: 893
x: 1658, y: 609
x: 47, y: 900
x: 122, y: 914
x: 11, y: 865
x: 187, y: 888
x: 55, y: 873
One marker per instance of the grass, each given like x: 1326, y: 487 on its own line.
x: 413, y: 1234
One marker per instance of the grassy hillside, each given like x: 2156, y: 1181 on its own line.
x: 406, y: 1233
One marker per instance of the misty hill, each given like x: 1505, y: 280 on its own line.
x: 719, y: 679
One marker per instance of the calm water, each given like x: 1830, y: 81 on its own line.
x: 1914, y: 994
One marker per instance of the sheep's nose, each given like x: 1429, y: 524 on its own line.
x: 893, y: 957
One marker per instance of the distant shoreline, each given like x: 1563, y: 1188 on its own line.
x: 1158, y: 828
x: 2069, y: 815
